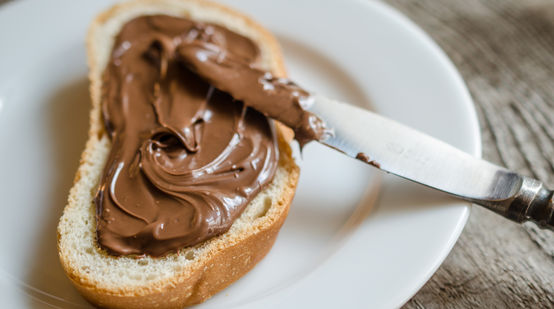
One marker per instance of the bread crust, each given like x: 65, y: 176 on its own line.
x: 208, y: 277
x: 224, y: 264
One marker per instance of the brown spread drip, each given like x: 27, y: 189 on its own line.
x: 186, y: 158
x: 278, y: 98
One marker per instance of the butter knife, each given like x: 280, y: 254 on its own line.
x: 410, y: 154
x: 374, y: 139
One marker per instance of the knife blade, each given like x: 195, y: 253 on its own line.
x: 371, y: 138
x: 408, y: 153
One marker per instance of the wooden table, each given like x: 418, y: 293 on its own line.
x: 504, y: 49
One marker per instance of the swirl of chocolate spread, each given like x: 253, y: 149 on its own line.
x: 186, y: 158
x: 278, y: 98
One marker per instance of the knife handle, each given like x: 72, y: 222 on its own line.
x: 533, y: 202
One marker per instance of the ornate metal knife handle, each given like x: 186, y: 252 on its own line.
x: 533, y: 202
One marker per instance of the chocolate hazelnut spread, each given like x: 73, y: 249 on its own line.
x: 365, y: 158
x: 278, y: 98
x: 186, y: 158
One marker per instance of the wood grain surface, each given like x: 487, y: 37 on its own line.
x: 504, y: 50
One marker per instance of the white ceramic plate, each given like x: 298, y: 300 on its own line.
x: 330, y: 252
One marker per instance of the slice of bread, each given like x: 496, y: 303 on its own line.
x: 193, y: 274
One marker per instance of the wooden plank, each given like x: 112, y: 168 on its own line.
x: 505, y: 52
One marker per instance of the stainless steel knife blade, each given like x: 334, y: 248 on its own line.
x: 408, y: 153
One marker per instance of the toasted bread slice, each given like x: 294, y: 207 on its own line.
x: 193, y: 274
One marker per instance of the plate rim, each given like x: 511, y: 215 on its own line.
x: 469, y: 105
